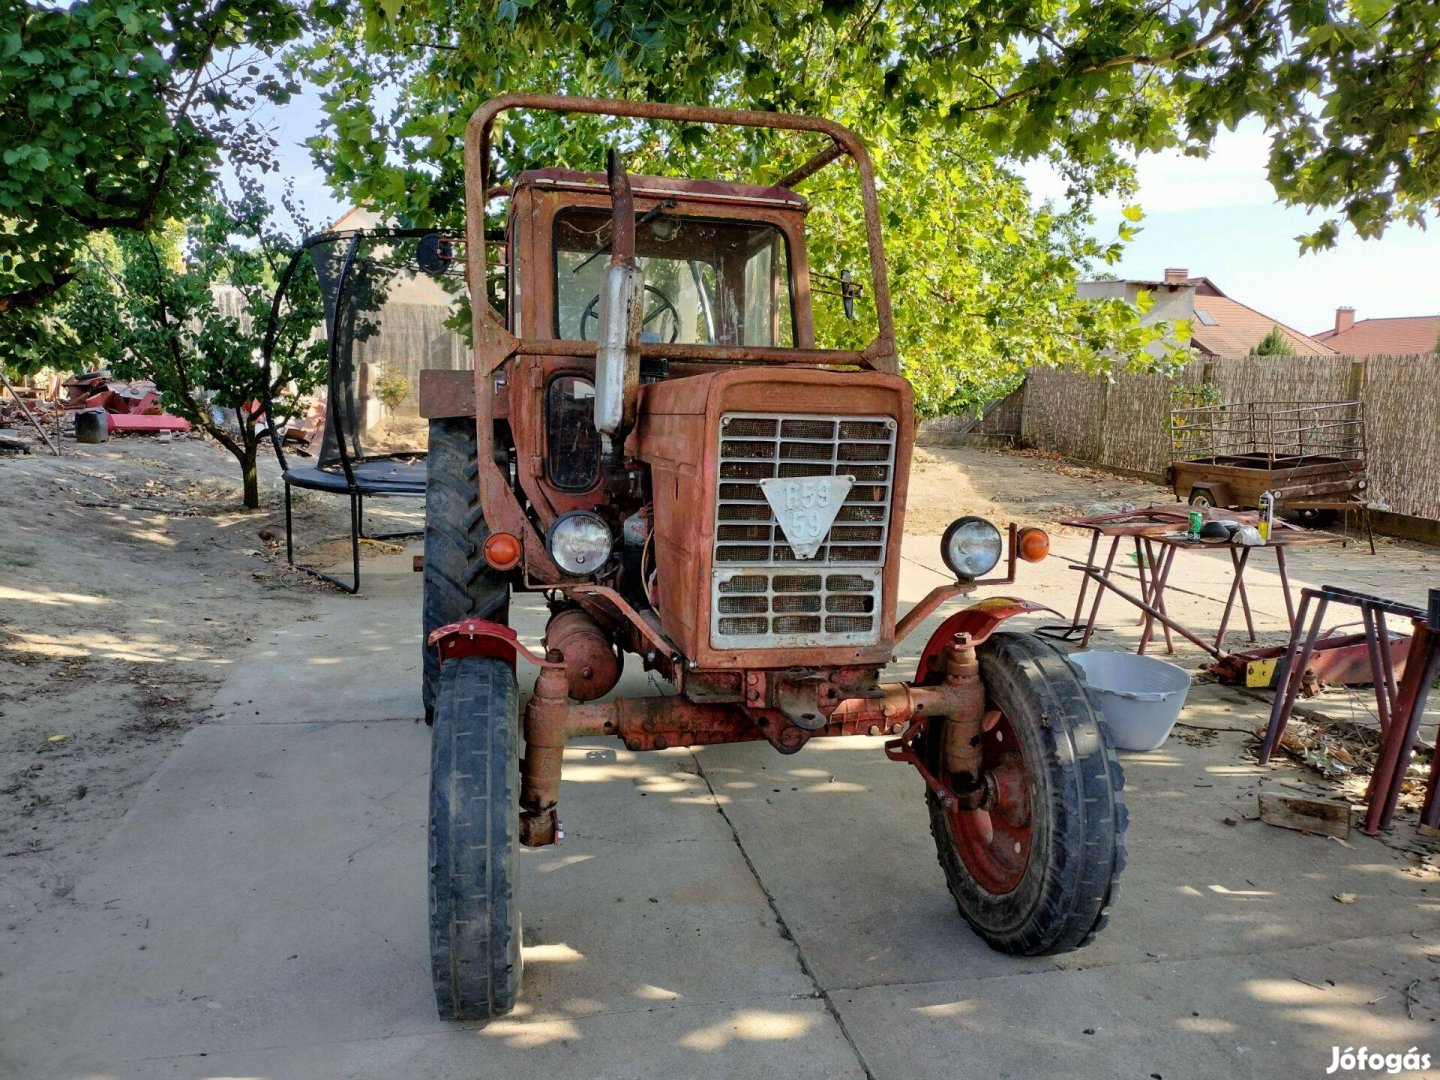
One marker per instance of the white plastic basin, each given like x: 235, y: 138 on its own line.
x: 1140, y: 696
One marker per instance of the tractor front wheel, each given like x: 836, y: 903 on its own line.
x: 459, y: 584
x: 1035, y: 871
x: 474, y: 839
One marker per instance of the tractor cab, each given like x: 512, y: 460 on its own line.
x: 722, y: 263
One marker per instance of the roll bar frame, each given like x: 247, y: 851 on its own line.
x: 879, y: 355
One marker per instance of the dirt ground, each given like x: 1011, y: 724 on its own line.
x: 1023, y: 487
x: 128, y: 574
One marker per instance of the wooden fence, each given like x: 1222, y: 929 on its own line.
x: 1123, y: 423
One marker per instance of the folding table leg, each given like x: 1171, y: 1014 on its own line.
x: 1377, y: 675
x: 1140, y: 569
x: 1065, y: 632
x: 1387, y: 662
x: 1157, y: 599
x: 1099, y: 592
x: 1240, y: 560
x: 1395, y: 751
x: 1157, y: 595
x: 1284, y: 584
x: 1430, y: 812
x: 1085, y: 578
x: 1292, y: 672
x: 1245, y: 594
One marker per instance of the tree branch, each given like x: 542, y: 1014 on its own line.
x: 172, y: 341
x: 1219, y: 30
x: 35, y: 293
x: 136, y: 219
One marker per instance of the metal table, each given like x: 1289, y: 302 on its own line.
x: 1118, y: 526
x: 1157, y: 543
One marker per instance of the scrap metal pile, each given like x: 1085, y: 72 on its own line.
x: 88, y: 407
x: 128, y: 406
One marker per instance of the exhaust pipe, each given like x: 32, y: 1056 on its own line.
x: 621, y: 310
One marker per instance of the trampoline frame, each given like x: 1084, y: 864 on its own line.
x: 355, y: 485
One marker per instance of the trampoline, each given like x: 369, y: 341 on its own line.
x: 384, y: 317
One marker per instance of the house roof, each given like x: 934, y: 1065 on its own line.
x: 1373, y: 337
x: 1226, y: 327
x: 357, y: 217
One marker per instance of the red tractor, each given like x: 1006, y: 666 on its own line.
x: 652, y: 440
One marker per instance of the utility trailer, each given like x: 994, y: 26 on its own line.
x: 653, y: 440
x: 1310, y: 455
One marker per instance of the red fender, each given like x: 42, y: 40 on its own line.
x: 979, y: 620
x: 480, y: 637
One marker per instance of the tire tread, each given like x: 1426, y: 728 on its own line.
x: 458, y: 584
x: 474, y: 840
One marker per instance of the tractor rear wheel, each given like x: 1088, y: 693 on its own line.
x: 1035, y: 872
x: 459, y: 584
x: 474, y: 840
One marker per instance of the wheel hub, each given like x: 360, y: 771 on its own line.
x: 994, y: 839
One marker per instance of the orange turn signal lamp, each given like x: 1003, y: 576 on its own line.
x: 1032, y: 544
x: 502, y: 551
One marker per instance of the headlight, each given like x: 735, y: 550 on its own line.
x: 579, y: 542
x: 971, y: 547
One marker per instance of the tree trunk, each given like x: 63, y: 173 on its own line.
x: 251, y: 472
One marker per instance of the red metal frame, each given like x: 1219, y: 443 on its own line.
x: 480, y: 637
x: 1399, y: 703
x: 947, y: 692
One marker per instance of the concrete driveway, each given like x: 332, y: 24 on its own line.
x: 728, y: 912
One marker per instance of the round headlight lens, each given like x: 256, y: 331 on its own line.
x: 580, y: 543
x: 971, y: 547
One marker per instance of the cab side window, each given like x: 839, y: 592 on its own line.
x: 573, y: 454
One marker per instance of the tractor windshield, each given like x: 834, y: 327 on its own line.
x: 707, y: 282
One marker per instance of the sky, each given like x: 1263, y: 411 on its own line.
x: 292, y: 124
x: 1217, y: 217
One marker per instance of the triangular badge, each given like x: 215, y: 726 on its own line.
x: 805, y: 507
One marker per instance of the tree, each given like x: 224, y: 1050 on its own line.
x: 1351, y: 97
x: 113, y: 116
x: 983, y: 283
x: 1349, y: 93
x: 1275, y: 343
x: 150, y: 308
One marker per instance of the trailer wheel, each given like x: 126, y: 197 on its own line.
x: 1036, y: 872
x: 1202, y: 498
x: 459, y: 584
x: 474, y: 840
x: 1312, y: 518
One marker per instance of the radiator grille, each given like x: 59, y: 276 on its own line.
x: 763, y: 595
x: 783, y: 609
